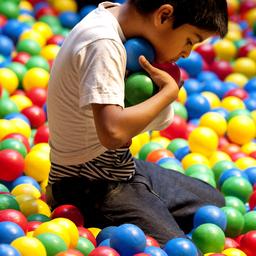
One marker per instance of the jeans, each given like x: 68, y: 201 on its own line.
x: 161, y: 202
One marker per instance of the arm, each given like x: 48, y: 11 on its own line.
x: 116, y: 125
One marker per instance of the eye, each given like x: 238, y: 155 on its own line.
x: 189, y: 42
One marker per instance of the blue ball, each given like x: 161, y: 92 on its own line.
x: 155, y: 251
x: 206, y: 76
x: 105, y: 242
x: 192, y: 85
x: 37, y: 7
x: 8, y: 250
x: 215, y: 86
x: 128, y: 239
x: 105, y: 233
x: 86, y: 10
x: 9, y: 231
x: 210, y: 214
x: 231, y: 173
x: 17, y: 115
x: 251, y: 173
x: 6, y: 46
x: 193, y: 64
x: 250, y: 103
x: 69, y: 19
x: 136, y: 47
x: 197, y: 105
x: 250, y: 86
x: 25, y: 180
x: 227, y: 86
x: 170, y: 160
x: 182, y: 152
x: 180, y: 247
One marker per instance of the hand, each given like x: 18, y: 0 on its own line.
x: 160, y: 77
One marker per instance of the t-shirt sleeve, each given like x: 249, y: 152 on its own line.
x: 101, y: 73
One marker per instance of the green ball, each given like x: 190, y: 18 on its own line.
x: 249, y: 221
x: 7, y: 106
x: 38, y: 217
x: 5, y: 94
x: 15, y: 145
x: 238, y: 112
x: 198, y: 169
x: 3, y: 188
x: 52, y: 243
x: 138, y: 88
x: 147, y: 148
x: 235, y: 221
x: 238, y: 187
x: 8, y: 202
x: 52, y: 21
x: 222, y: 166
x: 29, y: 46
x: 172, y: 166
x: 38, y: 61
x: 84, y: 245
x: 176, y: 144
x: 9, y: 9
x: 204, y: 177
x: 180, y: 110
x: 209, y: 238
x: 235, y: 203
x: 19, y: 69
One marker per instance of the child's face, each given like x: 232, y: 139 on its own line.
x: 172, y: 44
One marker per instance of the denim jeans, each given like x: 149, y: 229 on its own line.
x: 161, y: 202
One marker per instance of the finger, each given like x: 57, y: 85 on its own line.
x: 145, y: 64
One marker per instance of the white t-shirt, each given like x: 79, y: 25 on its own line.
x: 89, y: 68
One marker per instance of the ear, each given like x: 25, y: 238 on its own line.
x: 163, y: 14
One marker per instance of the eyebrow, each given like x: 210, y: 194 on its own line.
x: 200, y: 39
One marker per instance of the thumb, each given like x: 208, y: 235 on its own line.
x: 145, y: 64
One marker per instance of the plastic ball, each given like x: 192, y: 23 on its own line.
x: 8, y: 202
x: 233, y: 252
x: 21, y: 127
x: 235, y: 221
x: 245, y: 66
x: 138, y: 88
x: 237, y: 78
x: 194, y: 158
x: 218, y: 156
x: 33, y: 35
x: 38, y: 217
x: 182, y: 95
x: 69, y: 19
x: 248, y: 242
x: 19, y: 137
x: 234, y: 172
x: 147, y: 148
x: 37, y: 95
x: 7, y: 107
x: 203, y: 140
x: 206, y: 50
x: 86, y: 10
x: 221, y: 68
x: 241, y: 129
x: 29, y: 46
x: 85, y: 246
x: 27, y: 244
x: 38, y: 61
x: 212, y: 98
x: 210, y: 214
x: 134, y: 48
x: 128, y: 239
x: 9, y: 9
x: 251, y: 173
x: 27, y: 189
x: 249, y: 222
x: 235, y: 203
x: 21, y: 57
x: 50, y: 51
x: 192, y: 85
x: 225, y: 50
x: 9, y: 232
x: 175, y: 144
x: 41, y: 135
x: 157, y: 154
x: 8, y: 250
x: 104, y: 251
x: 9, y: 80
x: 21, y: 101
x: 65, y: 5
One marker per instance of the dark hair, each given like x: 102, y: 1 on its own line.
x: 209, y: 15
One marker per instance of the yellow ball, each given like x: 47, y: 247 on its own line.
x: 33, y: 35
x: 212, y: 98
x: 25, y: 5
x: 35, y: 77
x: 43, y: 28
x: 225, y: 50
x: 71, y: 229
x: 9, y: 80
x: 23, y: 198
x: 162, y: 141
x: 233, y: 26
x: 144, y: 137
x: 21, y: 127
x: 237, y: 78
x: 37, y: 165
x: 21, y: 101
x: 231, y: 103
x: 234, y: 4
x: 245, y: 66
x: 251, y: 16
x: 234, y: 35
x: 27, y: 189
x: 218, y: 156
x: 28, y: 246
x: 241, y: 129
x: 50, y: 51
x: 249, y: 147
x: 6, y: 127
x: 233, y: 252
x: 245, y: 162
x: 43, y: 185
x: 25, y: 18
x: 194, y: 158
x: 65, y: 5
x: 135, y: 146
x: 252, y: 55
x: 35, y: 206
x: 182, y: 96
x: 53, y: 228
x: 253, y: 114
x: 215, y: 121
x: 95, y: 231
x: 203, y: 140
x: 41, y: 147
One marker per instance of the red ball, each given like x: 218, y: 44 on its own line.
x: 47, y: 10
x: 86, y: 233
x: 3, y: 20
x: 104, y: 251
x: 253, y: 154
x: 70, y: 252
x: 42, y: 135
x: 11, y: 165
x: 35, y: 115
x: 238, y: 238
x: 157, y: 154
x: 230, y: 243
x: 237, y: 155
x: 223, y: 142
x: 37, y: 95
x: 246, y: 6
x: 19, y: 92
x: 184, y: 74
x: 32, y: 225
x: 207, y: 52
x: 19, y: 137
x: 21, y: 57
x: 230, y: 149
x: 237, y: 92
x: 1, y: 90
x: 177, y: 129
x: 248, y: 243
x: 252, y: 201
x: 245, y: 49
x: 14, y: 216
x: 56, y: 39
x: 221, y: 68
x: 190, y: 128
x: 70, y: 212
x: 150, y: 241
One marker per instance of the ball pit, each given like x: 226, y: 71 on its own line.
x: 212, y: 137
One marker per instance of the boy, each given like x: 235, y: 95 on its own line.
x: 91, y: 165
